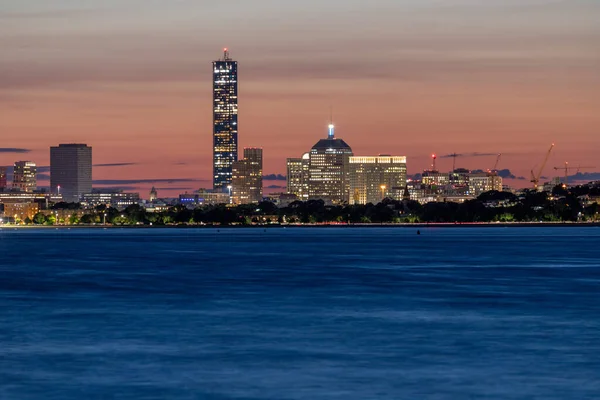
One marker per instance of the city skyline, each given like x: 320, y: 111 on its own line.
x: 145, y: 105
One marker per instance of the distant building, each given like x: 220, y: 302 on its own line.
x: 225, y: 120
x: 481, y: 182
x: 24, y: 176
x: 435, y: 178
x: 21, y: 211
x: 328, y: 169
x: 71, y: 170
x: 2, y: 178
x: 297, y: 176
x: 43, y: 199
x: 203, y: 197
x: 118, y: 200
x: 153, y: 194
x: 374, y: 178
x: 246, y: 182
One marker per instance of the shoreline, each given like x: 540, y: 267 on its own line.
x: 322, y: 225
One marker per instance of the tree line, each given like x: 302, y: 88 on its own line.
x: 559, y: 206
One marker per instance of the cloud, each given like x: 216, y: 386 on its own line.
x: 125, y: 164
x: 275, y: 187
x: 274, y: 177
x: 138, y: 181
x: 505, y: 173
x: 13, y: 150
x: 585, y: 176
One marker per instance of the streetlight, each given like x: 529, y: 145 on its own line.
x: 229, y: 188
x: 382, y: 187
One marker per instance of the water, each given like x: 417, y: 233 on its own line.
x: 302, y: 313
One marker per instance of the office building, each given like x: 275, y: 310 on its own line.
x: 225, y: 120
x: 435, y: 178
x: 297, y: 176
x: 71, y: 170
x: 118, y: 200
x: 246, y: 183
x: 203, y: 197
x: 24, y: 176
x: 2, y: 178
x: 374, y: 178
x: 483, y: 182
x: 328, y: 169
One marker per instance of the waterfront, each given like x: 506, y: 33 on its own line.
x: 297, y: 313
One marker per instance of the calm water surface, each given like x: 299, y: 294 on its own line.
x: 300, y: 313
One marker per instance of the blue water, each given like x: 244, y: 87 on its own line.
x: 300, y: 313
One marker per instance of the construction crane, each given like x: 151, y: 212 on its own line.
x: 535, y: 179
x: 494, y: 171
x: 566, y: 168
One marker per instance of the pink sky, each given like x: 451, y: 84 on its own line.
x: 132, y: 79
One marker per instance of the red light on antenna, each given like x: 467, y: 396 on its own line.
x: 433, y: 156
x: 224, y: 48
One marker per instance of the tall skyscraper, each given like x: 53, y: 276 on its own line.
x: 297, y: 176
x: 71, y: 170
x: 225, y: 120
x: 2, y: 178
x: 328, y: 169
x: 246, y: 183
x: 24, y: 176
x: 374, y: 178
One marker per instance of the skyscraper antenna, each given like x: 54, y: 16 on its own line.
x: 331, y: 127
x: 226, y: 54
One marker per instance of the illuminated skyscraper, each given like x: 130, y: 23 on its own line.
x: 225, y: 120
x: 374, y: 178
x: 297, y: 176
x: 246, y: 182
x: 328, y: 169
x: 71, y: 170
x: 24, y: 176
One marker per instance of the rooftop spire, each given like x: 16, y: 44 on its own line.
x: 331, y: 133
x: 226, y: 54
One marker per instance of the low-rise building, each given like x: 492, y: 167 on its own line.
x: 21, y: 211
x: 116, y: 200
x: 203, y: 197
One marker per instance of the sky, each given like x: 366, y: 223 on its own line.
x: 132, y: 79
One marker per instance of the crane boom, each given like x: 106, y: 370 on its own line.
x: 536, y: 178
x: 566, y: 168
x: 497, y: 161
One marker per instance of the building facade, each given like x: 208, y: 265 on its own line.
x: 71, y: 170
x: 374, y: 178
x: 2, y: 178
x: 246, y: 182
x: 297, y: 176
x: 24, y: 176
x: 203, y: 197
x: 483, y: 182
x: 20, y: 211
x: 118, y: 200
x: 328, y: 169
x: 225, y: 120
